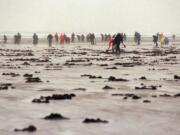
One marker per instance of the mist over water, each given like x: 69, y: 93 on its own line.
x: 83, y: 16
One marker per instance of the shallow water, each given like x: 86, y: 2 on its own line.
x: 161, y: 116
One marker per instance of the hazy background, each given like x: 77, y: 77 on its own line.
x: 145, y: 16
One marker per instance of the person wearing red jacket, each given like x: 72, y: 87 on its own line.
x: 111, y: 43
x: 61, y: 39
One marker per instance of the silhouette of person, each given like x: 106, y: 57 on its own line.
x: 18, y: 38
x: 5, y: 39
x: 79, y: 38
x: 117, y: 41
x: 15, y: 39
x: 35, y: 39
x: 50, y: 38
x: 166, y: 40
x: 82, y: 38
x: 155, y: 40
x: 56, y: 38
x: 137, y: 38
x: 92, y: 39
x: 72, y: 37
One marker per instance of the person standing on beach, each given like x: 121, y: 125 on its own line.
x: 161, y: 36
x: 155, y: 40
x: 5, y: 39
x: 92, y: 39
x: 111, y: 43
x: 72, y: 37
x: 62, y: 38
x: 166, y: 40
x: 82, y: 38
x: 35, y: 39
x: 18, y: 38
x: 50, y: 38
x: 79, y: 38
x: 56, y: 38
x: 66, y: 39
x: 117, y: 41
x: 137, y: 38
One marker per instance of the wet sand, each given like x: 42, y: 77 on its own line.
x: 136, y: 92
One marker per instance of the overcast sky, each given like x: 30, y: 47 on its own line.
x: 146, y: 16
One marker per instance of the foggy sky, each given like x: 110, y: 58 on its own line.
x: 146, y: 16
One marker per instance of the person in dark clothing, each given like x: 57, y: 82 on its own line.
x: 117, y: 41
x: 18, y: 38
x: 35, y: 39
x: 50, y: 38
x: 66, y: 41
x: 166, y: 40
x: 137, y: 38
x: 92, y: 39
x: 15, y: 39
x: 56, y: 38
x: 82, y: 38
x: 5, y: 39
x: 72, y: 37
x: 155, y: 40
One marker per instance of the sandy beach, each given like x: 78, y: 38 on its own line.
x: 140, y: 97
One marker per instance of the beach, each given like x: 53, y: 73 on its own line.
x: 141, y: 99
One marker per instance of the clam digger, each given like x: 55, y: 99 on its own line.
x: 115, y: 43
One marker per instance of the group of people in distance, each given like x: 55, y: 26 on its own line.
x: 114, y: 41
x: 164, y: 40
x: 63, y: 38
x: 17, y: 38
